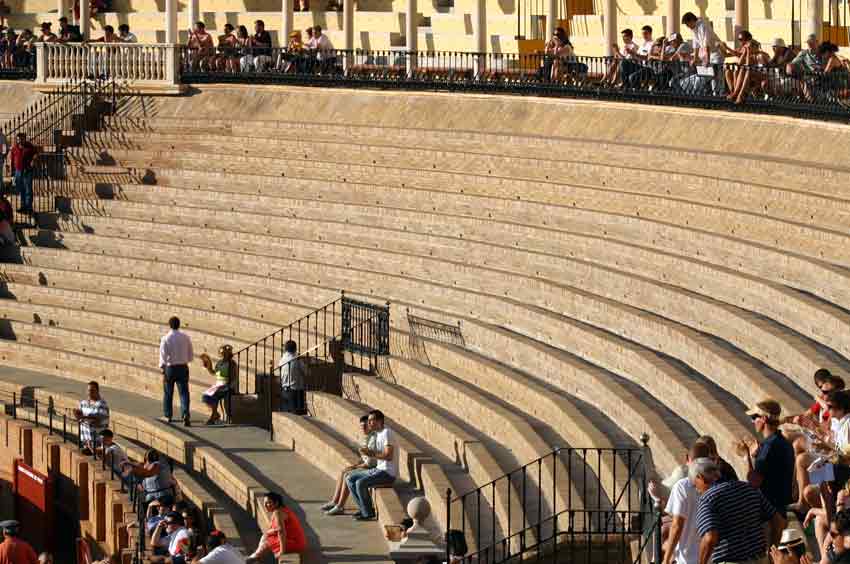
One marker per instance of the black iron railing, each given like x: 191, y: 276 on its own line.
x: 590, y: 504
x: 17, y: 65
x: 766, y: 88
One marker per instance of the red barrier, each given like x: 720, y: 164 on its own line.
x: 34, y: 505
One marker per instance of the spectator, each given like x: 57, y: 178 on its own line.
x: 47, y: 35
x: 108, y: 36
x: 284, y: 535
x: 646, y: 46
x: 24, y: 51
x: 730, y: 518
x: 384, y: 472
x: 14, y: 550
x: 4, y: 12
x: 325, y: 53
x: 559, y: 52
x: 227, y: 51
x: 219, y: 551
x: 224, y: 372
x: 292, y: 393
x: 302, y: 6
x: 727, y: 472
x: 7, y: 234
x: 311, y: 41
x: 260, y: 57
x: 292, y: 60
x: 24, y: 158
x: 8, y: 45
x: 807, y: 61
x: 157, y: 482
x: 243, y: 44
x: 45, y: 558
x: 93, y: 417
x: 782, y: 55
x: 175, y: 354
x: 771, y: 463
x: 740, y: 81
x: 836, y: 547
x: 171, y: 533
x: 683, y: 542
x: 626, y: 55
x: 791, y: 549
x: 125, y: 35
x: 192, y: 529
x: 676, y: 49
x: 155, y: 513
x: 834, y: 75
x: 4, y: 150
x: 112, y: 453
x: 201, y: 47
x: 336, y: 505
x: 68, y: 33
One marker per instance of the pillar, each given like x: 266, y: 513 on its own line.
x: 610, y: 26
x: 673, y: 17
x: 348, y: 27
x: 286, y: 17
x: 193, y: 13
x: 480, y: 35
x: 742, y: 16
x: 412, y: 32
x: 815, y: 19
x: 551, y: 18
x: 171, y: 21
x: 60, y: 9
x: 85, y: 20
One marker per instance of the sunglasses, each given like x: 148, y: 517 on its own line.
x: 755, y: 417
x: 825, y: 392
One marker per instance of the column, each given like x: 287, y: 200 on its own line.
x: 348, y: 27
x: 815, y: 19
x: 171, y: 21
x: 479, y: 31
x: 286, y: 18
x: 193, y: 13
x: 60, y: 10
x: 673, y: 17
x: 85, y: 20
x: 412, y: 32
x: 551, y: 18
x: 742, y: 16
x: 610, y: 26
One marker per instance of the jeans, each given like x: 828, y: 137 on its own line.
x: 23, y: 182
x: 359, y: 482
x: 179, y: 375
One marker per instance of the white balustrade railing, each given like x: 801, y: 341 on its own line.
x: 135, y: 63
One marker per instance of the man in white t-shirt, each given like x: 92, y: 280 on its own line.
x: 383, y: 474
x: 683, y: 543
x: 219, y: 551
x: 708, y: 48
x: 171, y: 533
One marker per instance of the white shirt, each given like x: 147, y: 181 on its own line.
x: 97, y: 408
x: 224, y: 554
x: 115, y: 455
x: 705, y: 38
x: 628, y: 50
x: 130, y: 38
x: 841, y: 433
x: 383, y: 439
x: 178, y: 542
x: 175, y: 348
x: 4, y: 146
x: 646, y: 48
x: 291, y: 372
x: 683, y: 503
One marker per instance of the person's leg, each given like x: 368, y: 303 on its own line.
x: 168, y: 394
x: 27, y: 196
x: 287, y: 401
x: 351, y: 482
x: 183, y: 390
x: 374, y: 478
x: 801, y: 468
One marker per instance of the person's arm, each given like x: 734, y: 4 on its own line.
x: 676, y: 529
x: 162, y: 354
x: 191, y: 350
x: 281, y: 530
x: 386, y: 454
x: 777, y: 523
x: 141, y: 472
x: 157, y: 533
x: 706, y: 546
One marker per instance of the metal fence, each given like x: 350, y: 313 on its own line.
x: 765, y: 88
x: 573, y: 505
x: 18, y: 64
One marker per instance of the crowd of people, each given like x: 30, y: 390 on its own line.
x: 712, y: 516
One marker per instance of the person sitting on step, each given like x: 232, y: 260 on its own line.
x: 336, y: 505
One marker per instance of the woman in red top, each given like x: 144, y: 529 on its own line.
x: 284, y: 526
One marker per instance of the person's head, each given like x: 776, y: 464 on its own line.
x: 200, y: 27
x: 11, y: 528
x: 108, y: 30
x: 827, y: 49
x: 765, y: 415
x: 45, y: 558
x: 45, y: 27
x: 837, y: 382
x: 93, y: 389
x: 821, y: 375
x: 259, y: 26
x: 173, y: 521
x: 689, y: 20
x: 309, y: 31
x: 792, y: 543
x: 456, y: 543
x: 702, y: 473
x: 839, y: 531
x: 812, y: 41
x: 627, y: 35
x: 225, y: 352
x: 646, y: 31
x: 709, y: 441
x: 290, y: 346
x: 273, y: 501
x: 779, y: 49
x: 675, y: 39
x: 215, y: 539
x: 376, y: 420
x: 317, y: 30
x: 21, y: 138
x: 242, y: 32
x: 838, y: 403
x: 123, y: 29
x: 406, y: 523
x: 188, y: 517
x: 744, y: 37
x: 697, y: 451
x: 106, y: 437
x: 151, y: 456
x: 228, y: 29
x: 364, y: 424
x: 174, y: 323
x: 63, y: 22
x: 561, y: 34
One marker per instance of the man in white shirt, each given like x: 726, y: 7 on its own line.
x: 126, y: 35
x: 291, y: 371
x: 646, y: 47
x: 4, y: 150
x: 682, y: 545
x: 172, y: 533
x: 219, y: 551
x: 92, y: 416
x: 383, y: 474
x: 175, y: 354
x: 112, y: 452
x: 325, y: 53
x: 708, y: 49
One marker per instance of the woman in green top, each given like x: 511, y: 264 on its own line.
x: 224, y: 370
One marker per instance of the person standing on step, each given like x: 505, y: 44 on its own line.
x: 384, y: 472
x: 24, y: 157
x: 4, y: 150
x: 292, y: 393
x: 93, y: 417
x: 175, y: 354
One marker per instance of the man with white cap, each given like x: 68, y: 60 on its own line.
x: 791, y: 549
x: 14, y: 550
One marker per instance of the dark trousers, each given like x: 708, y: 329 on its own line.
x: 293, y: 401
x: 23, y: 182
x: 178, y: 374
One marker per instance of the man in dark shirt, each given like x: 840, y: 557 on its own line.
x: 730, y: 517
x: 68, y: 33
x: 24, y: 155
x: 260, y: 58
x: 838, y: 542
x: 772, y: 468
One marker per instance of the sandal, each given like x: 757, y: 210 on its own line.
x: 213, y: 419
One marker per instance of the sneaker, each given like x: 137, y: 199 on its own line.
x: 328, y: 506
x: 360, y: 517
x: 336, y: 510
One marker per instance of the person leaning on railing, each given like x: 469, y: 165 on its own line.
x: 227, y: 51
x: 8, y: 45
x: 292, y: 378
x: 613, y: 75
x: 292, y: 60
x: 751, y: 69
x: 201, y: 48
x: 259, y: 57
